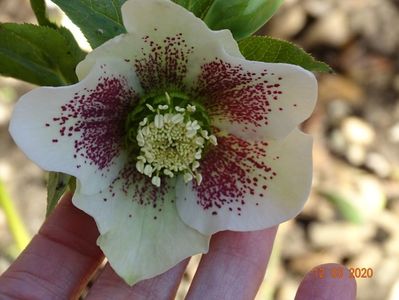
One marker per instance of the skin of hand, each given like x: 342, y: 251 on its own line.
x: 62, y: 257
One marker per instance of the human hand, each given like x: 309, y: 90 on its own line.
x: 61, y: 258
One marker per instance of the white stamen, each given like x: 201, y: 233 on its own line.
x: 145, y: 131
x: 142, y: 123
x: 198, y: 154
x: 158, y: 121
x: 171, y: 144
x: 191, y: 133
x: 163, y: 107
x: 187, y: 177
x: 148, y: 170
x: 195, y: 125
x: 140, y: 157
x: 199, y: 141
x: 179, y: 109
x: 150, y: 107
x: 204, y: 133
x: 149, y: 156
x: 167, y: 118
x: 167, y: 97
x: 156, y: 180
x: 140, y: 139
x: 168, y: 172
x: 177, y: 118
x: 140, y: 166
x: 213, y: 140
x: 198, y: 178
x: 195, y: 165
x: 191, y: 108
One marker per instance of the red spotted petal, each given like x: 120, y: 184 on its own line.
x: 248, y: 186
x: 255, y: 100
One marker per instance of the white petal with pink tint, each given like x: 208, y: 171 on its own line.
x: 248, y: 186
x: 78, y: 129
x: 255, y: 100
x: 142, y: 234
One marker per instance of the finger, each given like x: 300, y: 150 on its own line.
x: 58, y: 261
x: 164, y: 286
x: 327, y: 282
x: 235, y: 265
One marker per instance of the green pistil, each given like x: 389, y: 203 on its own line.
x: 168, y: 135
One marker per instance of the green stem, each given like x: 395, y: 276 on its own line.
x: 15, y: 224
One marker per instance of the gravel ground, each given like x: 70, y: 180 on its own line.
x: 352, y: 215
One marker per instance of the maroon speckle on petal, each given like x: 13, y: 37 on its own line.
x: 243, y: 97
x: 138, y: 188
x: 228, y: 174
x: 94, y: 118
x: 163, y: 65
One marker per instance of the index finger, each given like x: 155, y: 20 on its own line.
x: 235, y: 265
x: 59, y: 260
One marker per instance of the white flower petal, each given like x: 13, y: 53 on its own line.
x: 166, y: 31
x: 256, y: 100
x: 78, y: 129
x: 141, y: 232
x: 248, y: 186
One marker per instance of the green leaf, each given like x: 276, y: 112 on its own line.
x: 99, y: 20
x: 39, y: 55
x: 56, y: 186
x: 198, y: 7
x: 241, y: 17
x: 39, y: 8
x: 267, y: 49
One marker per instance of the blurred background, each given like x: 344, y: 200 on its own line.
x: 352, y: 216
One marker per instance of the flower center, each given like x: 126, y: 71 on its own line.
x: 171, y: 139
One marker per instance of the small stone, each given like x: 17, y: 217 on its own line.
x: 337, y: 110
x: 304, y: 263
x: 318, y: 8
x: 4, y: 264
x: 369, y: 257
x: 333, y: 87
x: 294, y: 241
x: 394, y: 292
x: 5, y: 113
x: 378, y: 164
x: 356, y: 131
x: 393, y: 133
x: 337, y: 141
x: 356, y: 154
x: 345, y: 234
x: 289, y: 22
x: 332, y: 30
x: 287, y: 289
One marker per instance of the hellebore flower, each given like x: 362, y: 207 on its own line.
x: 173, y: 136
